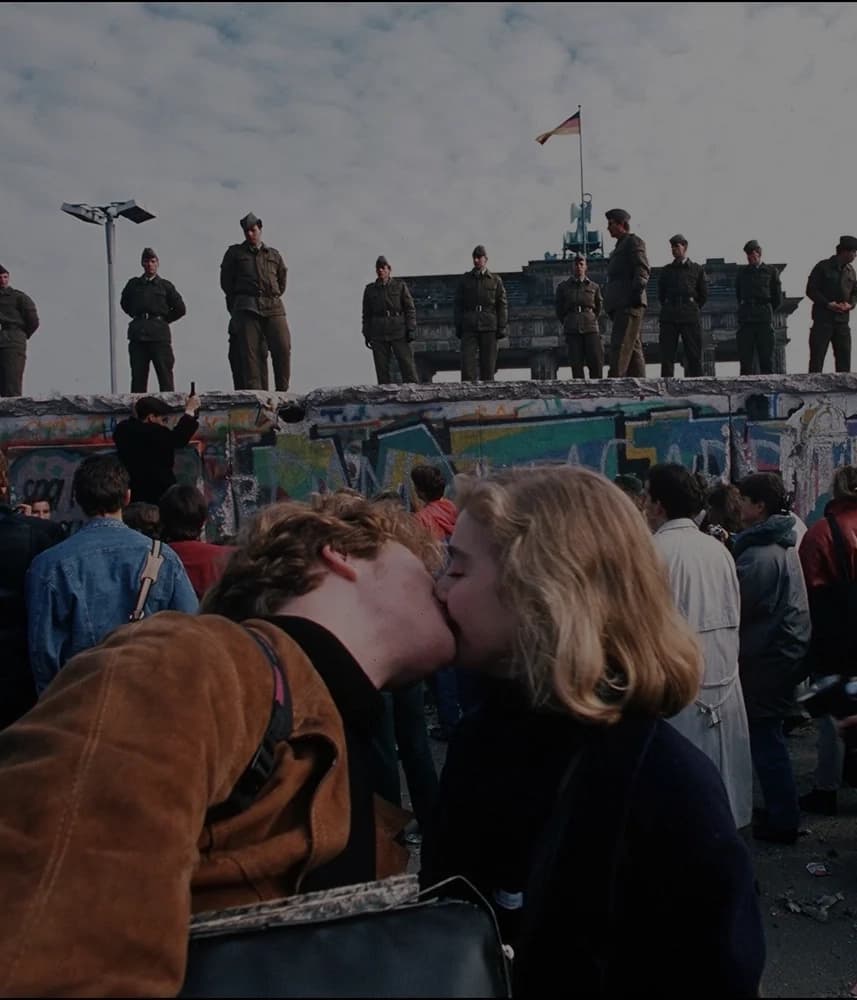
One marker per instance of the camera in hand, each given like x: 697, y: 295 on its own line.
x: 837, y: 696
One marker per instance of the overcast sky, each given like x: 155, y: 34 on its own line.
x: 403, y: 129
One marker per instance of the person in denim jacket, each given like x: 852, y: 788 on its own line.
x: 81, y: 589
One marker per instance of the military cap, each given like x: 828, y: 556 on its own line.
x: 752, y: 245
x: 382, y: 262
x: 151, y: 405
x: 479, y: 251
x: 617, y: 215
x: 3, y: 270
x: 148, y: 254
x: 249, y: 221
x: 678, y: 238
x: 848, y: 242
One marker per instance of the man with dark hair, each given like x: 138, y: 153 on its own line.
x: 21, y: 540
x: 682, y: 292
x: 153, y: 303
x: 775, y: 635
x: 632, y: 487
x: 436, y: 513
x: 832, y: 287
x: 183, y: 515
x: 625, y: 296
x: 83, y: 588
x: 481, y: 317
x: 19, y: 320
x: 147, y: 445
x: 389, y: 324
x: 253, y: 279
x: 705, y: 589
x: 759, y: 294
x: 143, y: 517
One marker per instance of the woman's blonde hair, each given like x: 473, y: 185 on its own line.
x: 598, y: 630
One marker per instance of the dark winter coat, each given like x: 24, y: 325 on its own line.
x: 153, y: 305
x: 17, y: 312
x: 627, y: 275
x: 775, y: 624
x: 388, y: 311
x: 831, y: 282
x: 759, y: 293
x: 578, y: 306
x: 253, y: 280
x: 634, y: 878
x: 21, y: 540
x: 682, y: 291
x: 148, y: 452
x: 480, y: 304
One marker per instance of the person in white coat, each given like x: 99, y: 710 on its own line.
x: 705, y: 589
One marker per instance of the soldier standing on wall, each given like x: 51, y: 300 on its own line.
x: 625, y: 296
x: 832, y: 286
x: 153, y: 303
x: 19, y: 320
x: 759, y: 294
x: 578, y: 306
x: 481, y: 318
x: 682, y: 292
x: 389, y: 324
x: 253, y: 279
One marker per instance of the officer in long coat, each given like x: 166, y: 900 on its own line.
x: 832, y: 287
x: 153, y: 303
x: 625, y: 296
x: 682, y: 292
x: 578, y: 306
x: 760, y: 294
x: 481, y: 318
x: 253, y: 279
x: 19, y: 320
x: 389, y: 324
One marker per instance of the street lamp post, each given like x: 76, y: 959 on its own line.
x: 106, y: 215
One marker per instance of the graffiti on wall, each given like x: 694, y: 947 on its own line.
x: 244, y: 459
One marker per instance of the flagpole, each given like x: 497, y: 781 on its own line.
x: 582, y: 203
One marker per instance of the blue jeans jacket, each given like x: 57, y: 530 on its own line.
x: 83, y: 588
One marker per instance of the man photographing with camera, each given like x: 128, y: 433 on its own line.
x: 147, y: 445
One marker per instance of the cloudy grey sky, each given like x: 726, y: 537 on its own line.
x: 404, y: 129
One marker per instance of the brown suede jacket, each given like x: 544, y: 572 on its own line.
x: 105, y: 785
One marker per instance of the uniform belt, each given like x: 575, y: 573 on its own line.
x: 677, y: 300
x: 479, y: 309
x: 582, y: 309
x: 390, y: 313
x: 148, y: 316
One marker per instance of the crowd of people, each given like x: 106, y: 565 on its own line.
x: 597, y: 787
x: 253, y: 280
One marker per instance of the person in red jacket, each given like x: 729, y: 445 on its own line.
x: 183, y: 515
x: 437, y: 513
x: 833, y: 648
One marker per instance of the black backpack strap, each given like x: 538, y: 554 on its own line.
x: 840, y: 548
x: 263, y: 763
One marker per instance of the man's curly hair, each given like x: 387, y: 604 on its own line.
x: 279, y: 552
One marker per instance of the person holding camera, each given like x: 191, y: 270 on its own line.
x: 774, y: 642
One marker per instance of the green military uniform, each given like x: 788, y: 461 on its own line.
x: 481, y: 318
x: 19, y: 320
x: 831, y: 281
x: 578, y: 306
x: 253, y: 280
x: 152, y: 303
x: 682, y: 292
x: 389, y: 324
x: 759, y: 294
x: 625, y: 303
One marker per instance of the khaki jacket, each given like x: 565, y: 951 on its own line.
x: 388, y: 311
x: 578, y: 306
x: 480, y: 304
x: 105, y: 784
x: 627, y: 275
x: 254, y: 280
